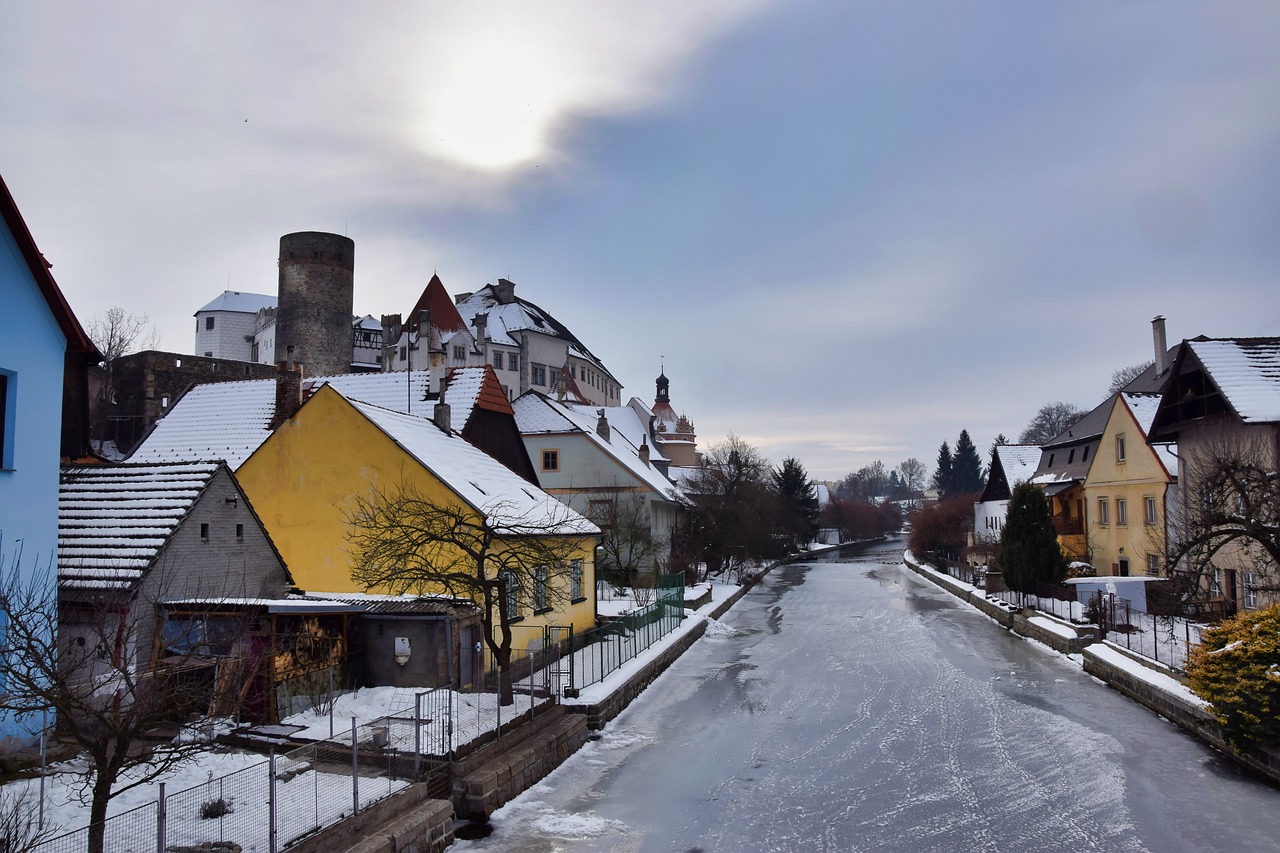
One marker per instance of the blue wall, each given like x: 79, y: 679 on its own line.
x: 32, y: 351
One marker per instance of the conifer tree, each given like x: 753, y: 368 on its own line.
x: 1029, y: 552
x: 943, y: 477
x: 966, y: 467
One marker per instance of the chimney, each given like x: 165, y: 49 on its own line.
x: 644, y: 452
x: 424, y: 329
x: 481, y: 324
x: 288, y: 389
x: 443, y: 417
x: 504, y: 291
x: 1157, y: 332
x: 602, y: 425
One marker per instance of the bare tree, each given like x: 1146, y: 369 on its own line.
x: 735, y: 510
x: 103, y: 699
x: 629, y: 546
x: 1230, y: 513
x: 1125, y: 375
x: 404, y: 541
x: 116, y: 333
x: 1050, y: 422
x: 20, y: 828
x: 912, y: 472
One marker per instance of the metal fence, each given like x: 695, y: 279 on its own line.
x: 602, y: 650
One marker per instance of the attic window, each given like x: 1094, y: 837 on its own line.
x: 204, y: 532
x: 1071, y: 457
x: 239, y: 532
x: 1050, y: 460
x: 1085, y: 456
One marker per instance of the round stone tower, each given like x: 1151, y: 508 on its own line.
x: 315, y: 301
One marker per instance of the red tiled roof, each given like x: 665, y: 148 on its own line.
x: 444, y: 314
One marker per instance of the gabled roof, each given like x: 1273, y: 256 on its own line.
x: 538, y: 414
x: 1143, y: 407
x: 482, y: 482
x: 230, y: 420
x: 77, y: 340
x: 239, y: 302
x: 1246, y: 371
x: 469, y: 388
x: 506, y: 321
x: 444, y: 314
x: 113, y: 520
x: 1011, y: 464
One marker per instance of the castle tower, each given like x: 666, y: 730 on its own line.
x: 317, y: 276
x: 674, y: 434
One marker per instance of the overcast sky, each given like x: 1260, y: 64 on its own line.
x: 850, y: 228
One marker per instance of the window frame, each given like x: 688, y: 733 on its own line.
x: 577, y: 577
x: 1150, y: 513
x: 550, y: 455
x: 1104, y: 512
x: 541, y: 589
x: 511, y: 602
x: 1122, y: 451
x: 8, y: 418
x: 1122, y: 512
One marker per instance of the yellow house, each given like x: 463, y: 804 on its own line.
x: 1127, y: 491
x: 305, y: 479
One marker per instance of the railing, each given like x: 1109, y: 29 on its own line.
x: 602, y: 650
x: 1068, y: 526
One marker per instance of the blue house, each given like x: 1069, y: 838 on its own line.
x: 45, y: 357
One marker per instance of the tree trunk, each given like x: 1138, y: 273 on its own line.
x: 98, y: 815
x: 506, y: 693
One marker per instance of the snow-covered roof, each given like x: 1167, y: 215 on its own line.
x: 114, y: 519
x: 537, y: 414
x: 1019, y: 462
x: 1144, y: 408
x: 239, y: 302
x: 479, y: 479
x: 461, y: 392
x: 506, y: 321
x: 1246, y: 371
x: 368, y: 322
x: 230, y: 420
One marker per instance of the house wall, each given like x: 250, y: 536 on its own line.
x: 303, y: 482
x: 429, y: 647
x: 1135, y: 479
x: 1196, y: 444
x: 32, y: 350
x: 230, y: 337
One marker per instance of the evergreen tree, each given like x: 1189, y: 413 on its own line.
x: 1233, y: 669
x: 797, y: 501
x: 1029, y: 552
x: 943, y: 477
x: 966, y: 467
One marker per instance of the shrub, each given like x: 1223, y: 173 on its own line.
x: 1236, y: 669
x: 1029, y: 552
x: 211, y: 809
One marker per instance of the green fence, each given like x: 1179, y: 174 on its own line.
x: 602, y: 650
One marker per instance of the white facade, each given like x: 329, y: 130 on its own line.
x: 226, y: 327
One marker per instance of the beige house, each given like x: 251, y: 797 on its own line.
x: 1127, y: 489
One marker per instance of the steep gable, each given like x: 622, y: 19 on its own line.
x: 444, y: 314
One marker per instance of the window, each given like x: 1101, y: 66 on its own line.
x: 1122, y: 511
x: 208, y: 355
x: 575, y: 580
x: 497, y: 361
x: 513, y: 361
x: 164, y: 402
x: 1104, y: 512
x: 239, y: 532
x: 1215, y: 584
x: 551, y: 460
x: 1124, y: 567
x: 404, y: 353
x: 1149, y: 511
x: 177, y: 362
x: 541, y: 581
x: 1071, y: 457
x: 512, y: 600
x: 1250, y: 589
x: 6, y: 426
x: 1050, y: 460
x: 1084, y: 457
x: 538, y: 374
x: 459, y: 354
x: 208, y: 324
x: 1153, y: 565
x: 1120, y: 450
x: 204, y: 532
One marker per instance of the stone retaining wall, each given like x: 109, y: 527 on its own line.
x: 409, y: 822
x: 494, y: 776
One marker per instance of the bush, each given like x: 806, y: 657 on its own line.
x: 943, y: 528
x: 211, y: 809
x: 1236, y: 669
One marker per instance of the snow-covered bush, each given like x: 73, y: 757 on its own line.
x: 1236, y: 669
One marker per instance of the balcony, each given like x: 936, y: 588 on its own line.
x: 1068, y: 526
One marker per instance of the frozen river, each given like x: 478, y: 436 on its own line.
x: 845, y: 704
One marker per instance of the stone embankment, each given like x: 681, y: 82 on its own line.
x: 1145, y: 681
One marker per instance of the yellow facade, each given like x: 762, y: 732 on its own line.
x: 1125, y: 500
x: 302, y: 482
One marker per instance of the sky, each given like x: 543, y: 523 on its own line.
x: 845, y: 230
